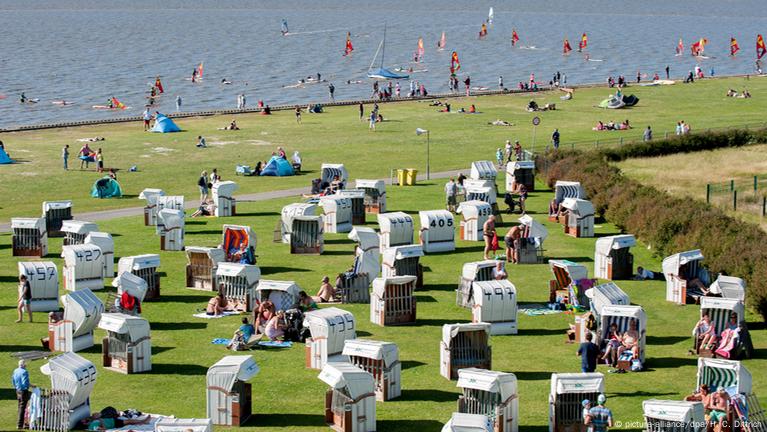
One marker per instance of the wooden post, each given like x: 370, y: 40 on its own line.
x: 764, y: 205
x: 735, y: 200
x: 708, y: 193
x: 732, y: 185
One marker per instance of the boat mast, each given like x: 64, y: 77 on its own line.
x: 383, y: 50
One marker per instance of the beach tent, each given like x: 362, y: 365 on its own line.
x: 163, y: 124
x: 4, y: 159
x: 277, y: 166
x: 106, y: 187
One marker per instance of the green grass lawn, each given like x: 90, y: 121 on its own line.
x: 289, y: 396
x: 171, y: 161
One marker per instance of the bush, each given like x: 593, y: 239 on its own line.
x: 669, y: 224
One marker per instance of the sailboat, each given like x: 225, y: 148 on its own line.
x: 382, y: 73
x: 442, y: 42
x: 420, y: 51
x: 490, y: 16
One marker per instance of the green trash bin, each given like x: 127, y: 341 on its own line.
x: 401, y: 177
x: 410, y: 176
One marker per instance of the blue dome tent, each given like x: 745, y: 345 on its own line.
x: 4, y: 159
x: 163, y: 124
x: 277, y: 166
x: 106, y: 187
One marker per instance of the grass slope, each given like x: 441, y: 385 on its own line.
x: 171, y: 161
x: 289, y: 396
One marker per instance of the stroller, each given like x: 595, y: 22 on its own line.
x: 295, y: 332
x: 508, y: 198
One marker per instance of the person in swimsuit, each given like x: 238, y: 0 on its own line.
x: 298, y: 114
x: 512, y: 241
x: 262, y: 315
x: 217, y: 305
x: 630, y: 341
x: 25, y: 297
x: 488, y: 231
x: 705, y: 332
x: 327, y: 291
x: 276, y: 326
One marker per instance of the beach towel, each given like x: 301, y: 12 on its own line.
x: 221, y: 341
x: 537, y: 310
x: 276, y: 344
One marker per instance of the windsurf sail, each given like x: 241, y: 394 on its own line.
x: 734, y: 47
x: 583, y: 43
x: 514, y: 37
x: 566, y: 48
x: 420, y: 51
x: 158, y: 85
x: 349, y: 47
x: 116, y: 104
x: 442, y: 42
x: 483, y: 31
x: 381, y: 72
x: 698, y: 47
x: 680, y: 47
x: 490, y: 15
x: 284, y: 29
x: 761, y: 48
x: 455, y: 64
x: 199, y: 71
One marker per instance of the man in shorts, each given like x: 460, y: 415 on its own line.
x: 718, y: 405
x: 513, y: 240
x: 451, y: 189
x: 147, y: 118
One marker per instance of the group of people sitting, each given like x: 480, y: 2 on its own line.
x: 734, y: 94
x: 707, y: 338
x: 715, y: 403
x: 617, y: 343
x: 611, y: 125
x: 533, y: 106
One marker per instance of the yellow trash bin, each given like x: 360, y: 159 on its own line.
x: 410, y: 176
x: 401, y: 177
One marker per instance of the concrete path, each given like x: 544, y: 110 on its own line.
x: 193, y: 204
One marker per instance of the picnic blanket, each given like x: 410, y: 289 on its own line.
x: 206, y: 316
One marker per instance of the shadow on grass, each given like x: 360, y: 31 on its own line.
x: 541, y: 332
x: 425, y: 299
x: 194, y: 222
x: 7, y: 394
x: 440, y: 287
x: 362, y: 333
x: 423, y: 322
x: 203, y: 232
x: 574, y: 259
x: 9, y: 279
x: 338, y: 253
x: 409, y: 364
x: 666, y: 340
x: 178, y: 369
x: 407, y: 425
x: 19, y: 348
x: 533, y: 375
x: 266, y: 270
x: 670, y: 362
x: 640, y: 393
x: 338, y: 241
x: 160, y: 349
x: 170, y: 326
x: 186, y: 298
x: 270, y: 421
x: 478, y: 248
x: 5, y: 246
x: 257, y: 214
x: 426, y: 395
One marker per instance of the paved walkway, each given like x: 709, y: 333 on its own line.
x: 193, y: 204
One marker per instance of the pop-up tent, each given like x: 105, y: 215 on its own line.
x: 163, y: 124
x: 106, y: 187
x: 4, y: 159
x: 277, y: 166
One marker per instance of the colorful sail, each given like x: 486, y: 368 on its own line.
x: 734, y: 47
x: 680, y: 47
x: 420, y: 51
x: 158, y: 85
x: 761, y: 48
x: 698, y: 47
x: 483, y: 31
x: 566, y: 48
x: 199, y: 71
x: 349, y: 47
x: 514, y: 37
x: 455, y: 64
x: 442, y: 42
x: 117, y: 104
x: 583, y: 43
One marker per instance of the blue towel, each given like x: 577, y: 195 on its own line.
x: 221, y: 341
x: 276, y: 344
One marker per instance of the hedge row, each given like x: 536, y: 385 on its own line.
x: 669, y: 224
x: 687, y: 144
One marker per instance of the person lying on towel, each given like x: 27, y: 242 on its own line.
x: 218, y: 304
x: 206, y: 209
x: 644, y: 274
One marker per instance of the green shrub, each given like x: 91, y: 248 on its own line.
x: 669, y: 224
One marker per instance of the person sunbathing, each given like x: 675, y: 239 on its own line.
x: 262, y: 315
x: 276, y: 326
x: 630, y: 341
x: 731, y: 93
x: 218, y: 304
x: 472, y: 109
x: 232, y: 126
x: 614, y: 338
x: 599, y: 127
x: 703, y: 395
x: 705, y: 332
x: 499, y: 272
x: 305, y: 302
x: 499, y: 122
x: 326, y: 293
x: 206, y: 209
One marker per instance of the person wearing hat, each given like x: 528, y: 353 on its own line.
x: 600, y: 417
x: 20, y: 380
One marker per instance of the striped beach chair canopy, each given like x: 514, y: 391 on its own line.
x: 622, y: 316
x: 329, y: 171
x: 567, y: 272
x: 730, y: 374
x: 719, y: 310
x: 568, y: 189
x: 484, y: 170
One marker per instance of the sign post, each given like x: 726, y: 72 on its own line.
x: 536, y: 122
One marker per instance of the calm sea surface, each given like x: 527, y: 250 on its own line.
x: 87, y: 51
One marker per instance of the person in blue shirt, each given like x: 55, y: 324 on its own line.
x: 600, y: 417
x: 242, y: 336
x: 588, y: 352
x: 247, y: 330
x: 20, y: 381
